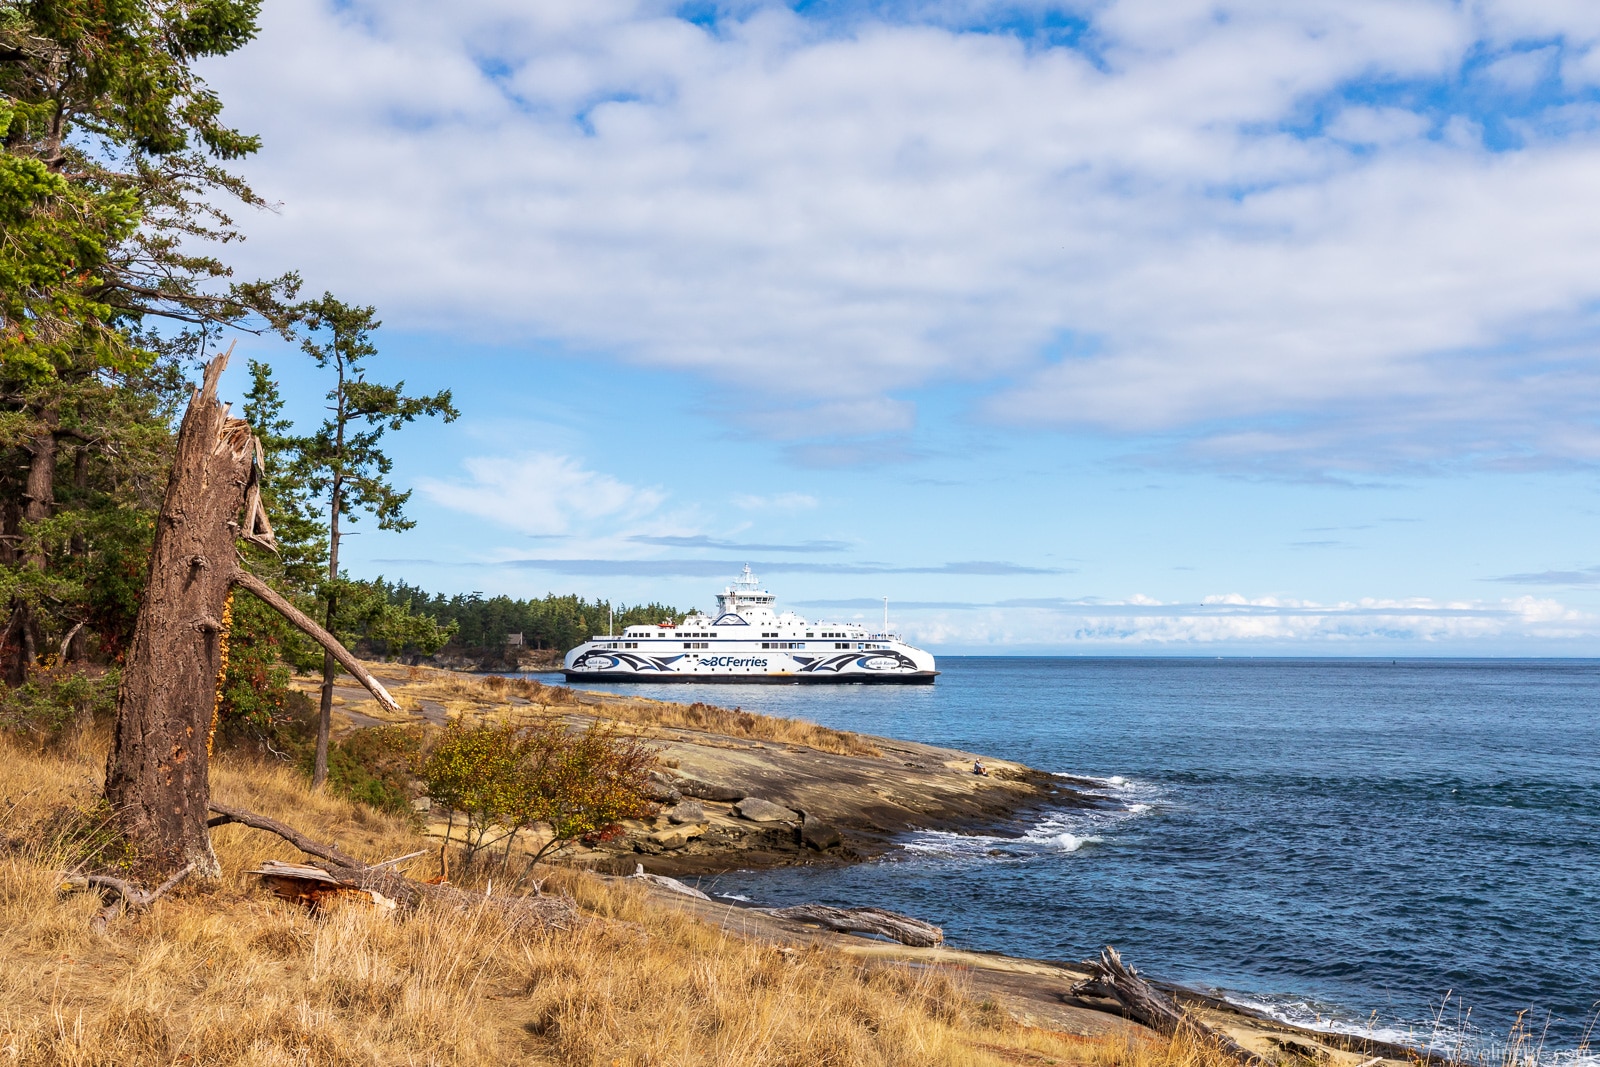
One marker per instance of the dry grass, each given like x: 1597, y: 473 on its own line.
x: 480, y: 695
x: 230, y: 975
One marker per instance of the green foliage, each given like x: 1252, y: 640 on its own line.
x: 558, y: 622
x: 472, y: 771
x: 255, y: 685
x: 375, y: 767
x: 342, y: 463
x: 502, y: 779
x: 54, y: 699
x: 109, y: 142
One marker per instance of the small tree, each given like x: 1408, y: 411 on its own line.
x: 580, y: 783
x: 342, y: 464
x: 503, y: 780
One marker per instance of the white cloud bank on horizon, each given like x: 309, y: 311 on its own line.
x: 1158, y: 238
x: 1235, y: 620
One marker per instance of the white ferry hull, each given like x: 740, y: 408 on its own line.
x: 873, y: 667
x: 746, y: 641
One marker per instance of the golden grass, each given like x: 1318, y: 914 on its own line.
x: 227, y: 974
x: 493, y: 694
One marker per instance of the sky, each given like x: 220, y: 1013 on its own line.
x: 1125, y: 327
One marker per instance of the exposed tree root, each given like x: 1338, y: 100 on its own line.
x: 122, y: 893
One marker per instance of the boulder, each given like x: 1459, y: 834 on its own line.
x: 757, y: 810
x: 661, y: 789
x: 694, y: 787
x: 676, y: 836
x: 687, y: 811
x: 816, y: 834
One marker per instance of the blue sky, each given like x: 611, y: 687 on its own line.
x: 1140, y: 326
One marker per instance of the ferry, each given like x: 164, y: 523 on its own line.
x: 746, y: 640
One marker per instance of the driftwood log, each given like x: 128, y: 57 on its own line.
x: 1144, y: 1003
x: 157, y: 772
x: 901, y: 928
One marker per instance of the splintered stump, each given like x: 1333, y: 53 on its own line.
x: 156, y: 774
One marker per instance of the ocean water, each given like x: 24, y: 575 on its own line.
x: 1410, y: 848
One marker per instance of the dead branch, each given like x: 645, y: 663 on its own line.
x: 123, y: 893
x: 349, y: 873
x: 1144, y: 1003
x: 304, y: 622
x: 901, y: 928
x: 226, y: 814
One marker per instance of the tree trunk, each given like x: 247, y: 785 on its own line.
x: 330, y: 667
x: 74, y: 649
x: 156, y: 777
x: 23, y: 631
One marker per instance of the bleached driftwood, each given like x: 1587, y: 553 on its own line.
x: 896, y: 927
x: 1144, y: 1003
x: 672, y: 885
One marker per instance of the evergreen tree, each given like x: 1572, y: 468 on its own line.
x: 342, y: 464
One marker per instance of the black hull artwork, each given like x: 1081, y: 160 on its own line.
x: 670, y: 677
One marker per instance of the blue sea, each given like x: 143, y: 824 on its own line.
x: 1408, y: 848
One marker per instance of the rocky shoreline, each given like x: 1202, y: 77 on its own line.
x: 746, y: 801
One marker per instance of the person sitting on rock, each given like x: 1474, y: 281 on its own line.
x: 978, y: 768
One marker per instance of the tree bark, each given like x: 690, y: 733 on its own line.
x: 330, y: 669
x: 23, y: 632
x: 156, y: 776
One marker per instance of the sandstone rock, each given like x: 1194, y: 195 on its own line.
x: 816, y: 834
x: 676, y: 836
x: 687, y: 812
x: 757, y: 810
x: 694, y: 787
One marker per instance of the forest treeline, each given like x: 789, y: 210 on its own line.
x: 555, y: 621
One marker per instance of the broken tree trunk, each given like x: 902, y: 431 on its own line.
x: 156, y: 775
x: 895, y: 927
x: 156, y: 778
x: 1144, y: 1003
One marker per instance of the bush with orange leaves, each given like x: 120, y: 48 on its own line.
x: 505, y: 779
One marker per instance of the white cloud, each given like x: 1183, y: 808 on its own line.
x: 1377, y: 125
x: 543, y: 494
x: 828, y: 219
x: 776, y: 502
x: 1234, y: 619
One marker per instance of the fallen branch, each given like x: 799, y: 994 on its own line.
x: 901, y: 928
x: 310, y: 847
x: 124, y: 893
x: 350, y: 873
x: 304, y: 622
x: 1144, y: 1003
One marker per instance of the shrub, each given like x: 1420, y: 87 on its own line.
x: 54, y: 699
x: 502, y: 780
x: 374, y: 766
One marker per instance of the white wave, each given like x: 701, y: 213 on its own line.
x: 732, y: 896
x: 1139, y: 809
x: 1065, y: 842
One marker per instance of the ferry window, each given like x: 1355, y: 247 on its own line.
x: 713, y: 633
x: 687, y: 645
x: 811, y: 635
